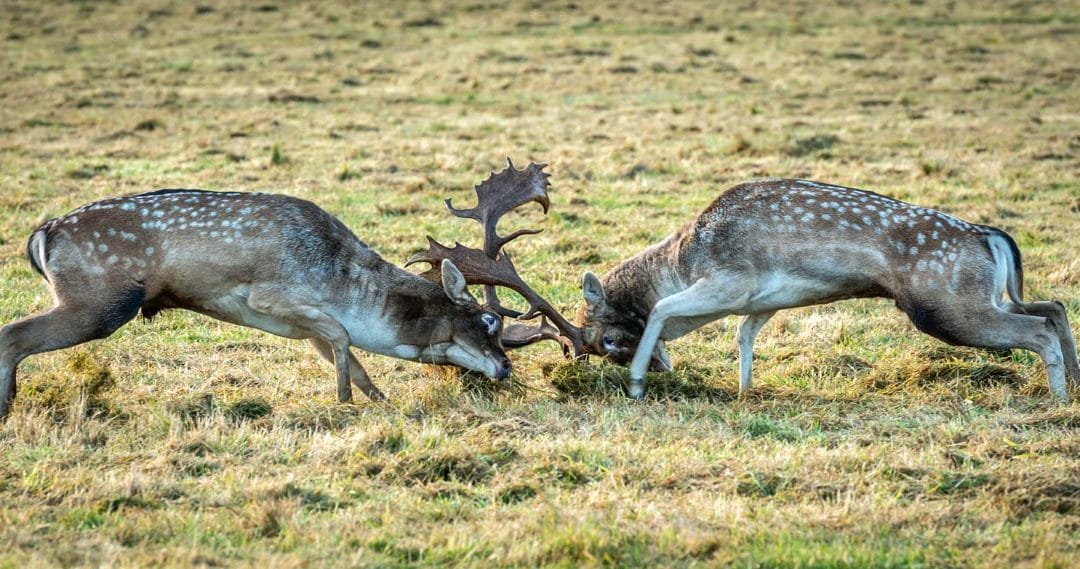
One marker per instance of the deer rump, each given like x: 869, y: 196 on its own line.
x: 773, y: 244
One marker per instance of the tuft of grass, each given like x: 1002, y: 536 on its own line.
x: 193, y: 408
x: 87, y: 172
x: 149, y: 125
x: 248, y: 409
x: 347, y: 174
x: 578, y: 378
x: 310, y: 499
x: 85, y: 384
x: 762, y: 484
x: 277, y: 157
x: 817, y: 144
x: 467, y: 467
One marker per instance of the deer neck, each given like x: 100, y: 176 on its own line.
x: 640, y: 282
x: 420, y: 313
x: 386, y: 309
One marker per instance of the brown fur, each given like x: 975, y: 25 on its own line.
x: 272, y: 262
x: 772, y: 244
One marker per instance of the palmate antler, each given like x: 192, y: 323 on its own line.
x: 492, y: 267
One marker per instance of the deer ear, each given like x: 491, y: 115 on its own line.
x: 593, y: 290
x: 454, y: 284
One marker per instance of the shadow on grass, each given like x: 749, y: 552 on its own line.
x: 581, y: 379
x: 962, y: 373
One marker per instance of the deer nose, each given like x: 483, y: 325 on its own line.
x: 503, y: 370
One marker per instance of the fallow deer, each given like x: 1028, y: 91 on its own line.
x: 772, y: 244
x: 271, y: 262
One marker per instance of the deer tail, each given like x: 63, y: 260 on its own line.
x: 35, y: 251
x: 1009, y: 267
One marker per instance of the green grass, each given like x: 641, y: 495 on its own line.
x: 190, y: 442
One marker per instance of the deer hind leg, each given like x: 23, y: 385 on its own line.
x: 748, y: 330
x: 356, y: 371
x: 1055, y: 311
x: 998, y: 329
x: 63, y: 326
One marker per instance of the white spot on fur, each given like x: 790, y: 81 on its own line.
x: 102, y: 247
x: 149, y: 251
x: 913, y: 251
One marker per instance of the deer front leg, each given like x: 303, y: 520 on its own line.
x: 308, y: 322
x: 357, y: 372
x: 707, y: 297
x: 748, y: 330
x: 332, y: 354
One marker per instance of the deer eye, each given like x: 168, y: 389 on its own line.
x: 609, y: 343
x: 491, y: 321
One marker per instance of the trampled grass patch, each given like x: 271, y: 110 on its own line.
x: 184, y: 441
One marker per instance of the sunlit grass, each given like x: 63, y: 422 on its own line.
x: 185, y: 441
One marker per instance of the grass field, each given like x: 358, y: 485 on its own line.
x: 190, y: 442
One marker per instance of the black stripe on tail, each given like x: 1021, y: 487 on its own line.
x: 46, y: 228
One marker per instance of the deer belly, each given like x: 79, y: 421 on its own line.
x: 792, y: 290
x: 233, y: 308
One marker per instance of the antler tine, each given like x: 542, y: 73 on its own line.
x: 498, y: 194
x: 502, y: 192
x: 521, y: 335
x: 478, y: 268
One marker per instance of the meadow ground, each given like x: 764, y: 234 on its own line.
x: 189, y: 442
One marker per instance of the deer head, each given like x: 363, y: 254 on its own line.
x: 492, y: 267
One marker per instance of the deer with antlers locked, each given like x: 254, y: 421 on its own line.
x: 772, y: 244
x: 271, y: 262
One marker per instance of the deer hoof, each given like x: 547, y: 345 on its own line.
x: 637, y: 389
x: 376, y: 396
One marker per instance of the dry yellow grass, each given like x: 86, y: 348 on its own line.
x: 190, y: 442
